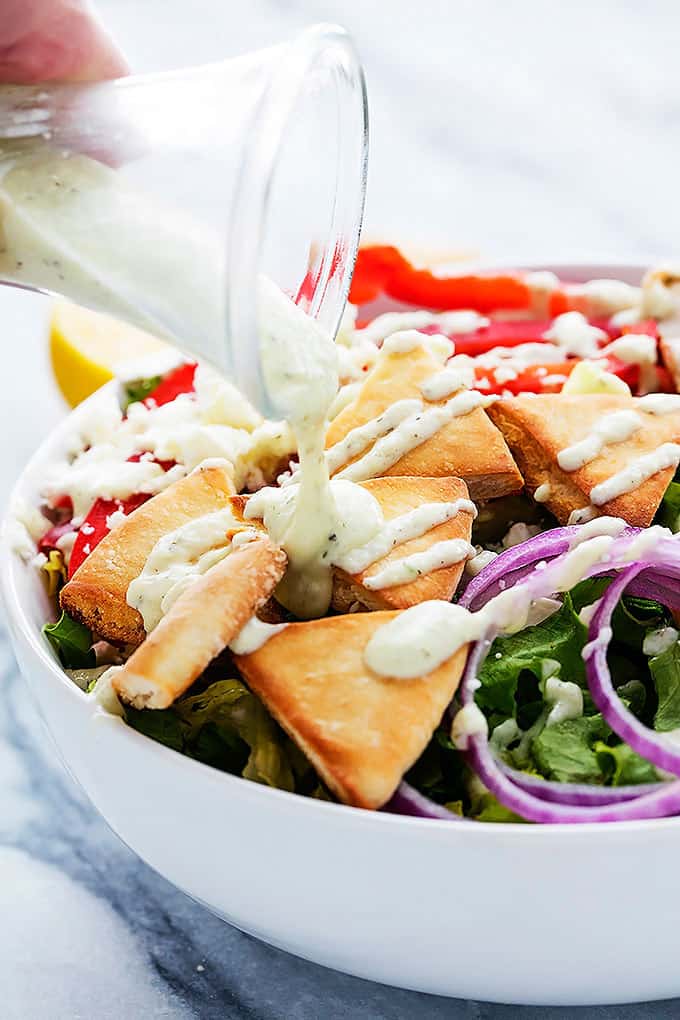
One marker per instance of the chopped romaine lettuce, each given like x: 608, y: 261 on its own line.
x: 668, y: 513
x: 622, y: 766
x: 139, y: 390
x: 560, y: 637
x: 665, y: 670
x: 72, y: 642
x: 226, y: 726
x: 564, y: 752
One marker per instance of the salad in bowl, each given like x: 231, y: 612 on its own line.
x: 444, y: 586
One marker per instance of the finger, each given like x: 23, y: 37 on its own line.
x: 55, y: 40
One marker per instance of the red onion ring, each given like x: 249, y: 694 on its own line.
x: 577, y: 794
x: 658, y: 804
x: 409, y: 801
x: 534, y: 798
x: 651, y: 745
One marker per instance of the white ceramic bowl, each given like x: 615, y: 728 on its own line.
x: 514, y: 913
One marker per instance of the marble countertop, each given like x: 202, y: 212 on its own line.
x: 512, y: 128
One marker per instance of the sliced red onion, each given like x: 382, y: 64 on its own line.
x: 659, y: 804
x: 651, y: 745
x: 534, y: 798
x: 409, y: 801
x: 578, y: 794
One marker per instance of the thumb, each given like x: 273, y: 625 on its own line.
x: 55, y: 40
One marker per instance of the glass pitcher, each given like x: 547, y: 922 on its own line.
x: 162, y: 198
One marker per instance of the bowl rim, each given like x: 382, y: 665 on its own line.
x: 11, y: 564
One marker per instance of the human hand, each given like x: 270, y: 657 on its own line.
x: 55, y: 40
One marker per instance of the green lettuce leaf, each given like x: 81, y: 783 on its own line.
x: 665, y: 670
x: 623, y: 766
x: 72, y: 642
x: 565, y: 752
x: 226, y: 726
x: 139, y: 390
x: 560, y: 637
x: 668, y: 513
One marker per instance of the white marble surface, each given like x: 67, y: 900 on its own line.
x: 516, y: 127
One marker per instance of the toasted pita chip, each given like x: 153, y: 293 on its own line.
x: 468, y: 447
x: 205, y: 618
x: 396, y: 497
x: 361, y: 731
x: 538, y: 428
x: 96, y: 594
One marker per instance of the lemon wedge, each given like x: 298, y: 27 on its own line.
x: 87, y: 349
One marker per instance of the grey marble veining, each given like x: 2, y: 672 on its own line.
x: 515, y: 128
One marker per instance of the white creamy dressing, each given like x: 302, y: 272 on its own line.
x: 518, y: 533
x: 573, y: 334
x: 565, y: 699
x: 384, y: 326
x: 470, y: 721
x: 601, y: 641
x: 658, y: 641
x: 360, y: 536
x: 659, y: 403
x: 361, y: 437
x: 177, y: 560
x: 299, y: 365
x: 69, y: 217
x: 604, y: 525
x: 355, y: 519
x: 422, y: 638
x: 634, y: 474
x: 402, y: 529
x: 254, y: 635
x: 410, y: 433
x: 482, y: 558
x: 633, y: 349
x: 606, y: 297
x: 459, y: 374
x: 582, y: 515
x: 409, y: 568
x: 407, y: 340
x: 542, y: 281
x: 615, y: 427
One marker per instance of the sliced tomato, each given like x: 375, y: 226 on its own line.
x: 180, y: 380
x: 94, y: 528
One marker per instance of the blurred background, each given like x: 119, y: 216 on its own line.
x: 526, y: 128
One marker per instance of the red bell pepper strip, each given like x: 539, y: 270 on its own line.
x: 532, y: 379
x: 382, y: 269
x: 501, y: 333
x: 549, y: 378
x: 180, y: 380
x: 94, y: 528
